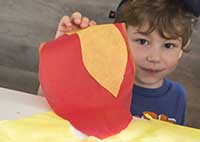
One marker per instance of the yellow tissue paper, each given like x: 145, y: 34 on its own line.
x: 48, y: 127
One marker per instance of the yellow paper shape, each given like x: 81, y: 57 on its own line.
x: 45, y: 127
x: 153, y: 130
x: 104, y: 55
x: 48, y: 127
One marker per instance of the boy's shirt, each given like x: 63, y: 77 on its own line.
x: 166, y: 103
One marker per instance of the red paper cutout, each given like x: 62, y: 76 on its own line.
x: 74, y: 95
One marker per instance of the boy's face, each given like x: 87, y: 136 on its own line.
x: 154, y: 56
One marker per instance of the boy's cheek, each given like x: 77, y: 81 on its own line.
x: 137, y: 55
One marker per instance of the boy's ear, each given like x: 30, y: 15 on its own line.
x: 188, y: 43
x: 186, y: 46
x: 180, y: 54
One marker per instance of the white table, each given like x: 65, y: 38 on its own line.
x: 16, y: 104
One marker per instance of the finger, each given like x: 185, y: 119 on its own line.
x: 92, y: 23
x: 64, y: 29
x: 76, y: 18
x: 65, y: 22
x: 85, y: 22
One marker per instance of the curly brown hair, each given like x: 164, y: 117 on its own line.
x: 168, y: 17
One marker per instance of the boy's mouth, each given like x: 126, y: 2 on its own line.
x: 152, y: 71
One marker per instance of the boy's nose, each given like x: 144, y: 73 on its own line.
x: 153, y: 56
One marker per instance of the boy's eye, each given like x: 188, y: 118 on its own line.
x: 142, y: 41
x: 169, y: 45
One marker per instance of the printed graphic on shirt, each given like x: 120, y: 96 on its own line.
x: 161, y: 117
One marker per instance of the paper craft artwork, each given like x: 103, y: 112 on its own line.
x: 87, y: 78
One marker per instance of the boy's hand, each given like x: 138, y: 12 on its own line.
x: 73, y: 23
x: 70, y: 24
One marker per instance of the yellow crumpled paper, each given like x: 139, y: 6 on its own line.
x: 48, y: 127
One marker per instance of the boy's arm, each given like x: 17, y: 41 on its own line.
x: 40, y: 91
x: 69, y: 24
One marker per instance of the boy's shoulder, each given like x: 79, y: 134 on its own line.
x: 176, y: 88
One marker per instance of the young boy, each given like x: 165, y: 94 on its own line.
x: 158, y: 32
